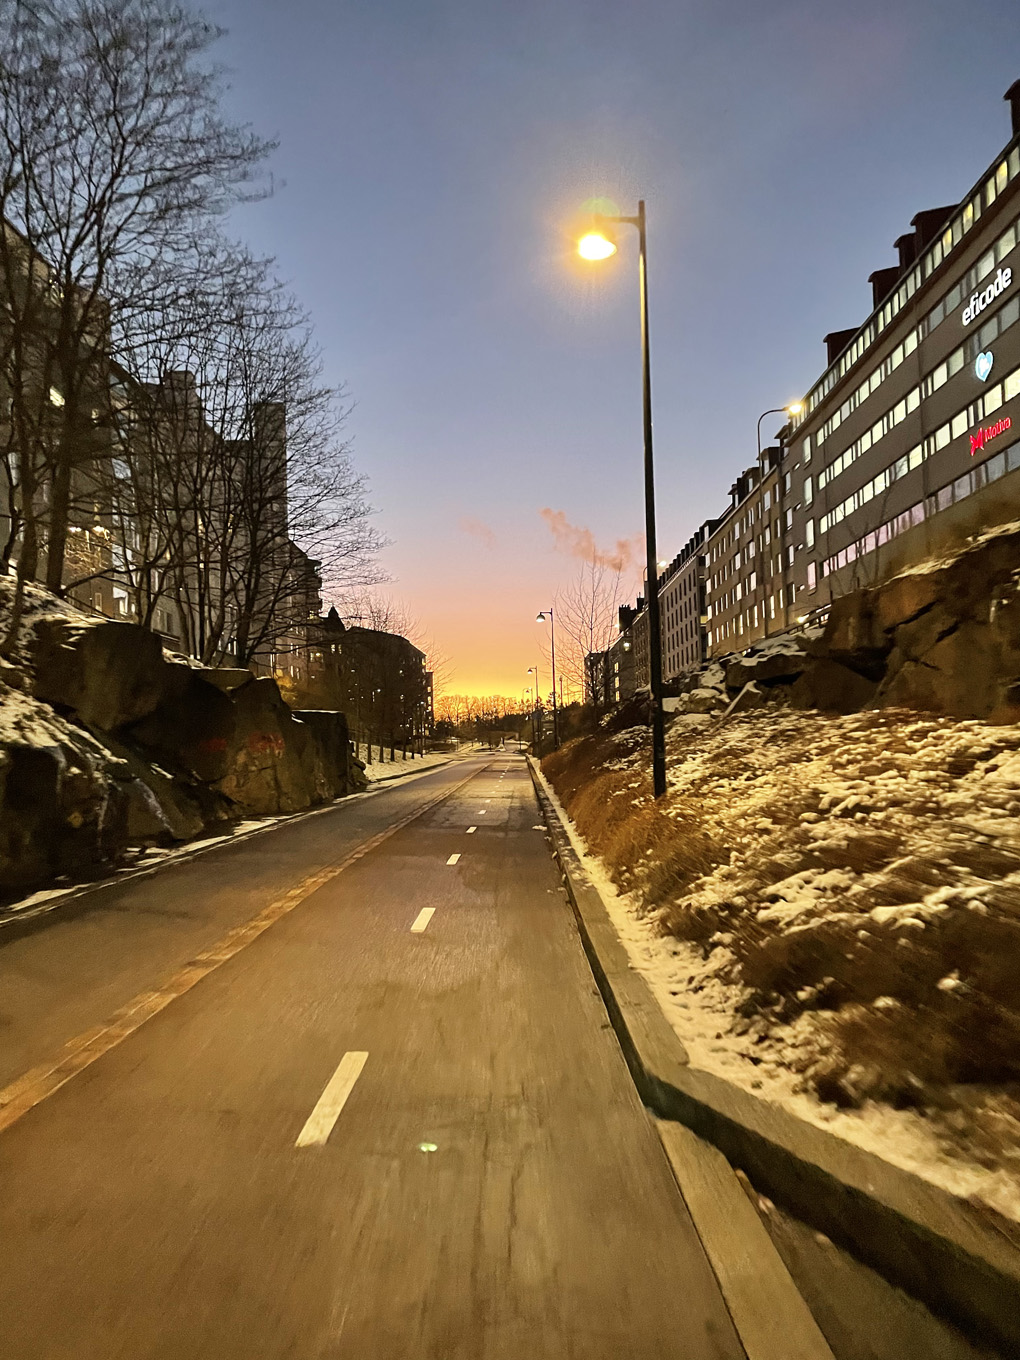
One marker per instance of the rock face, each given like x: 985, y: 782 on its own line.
x: 192, y: 726
x: 57, y: 812
x: 108, y: 674
x: 108, y: 743
x: 271, y: 756
x: 337, y: 770
x: 944, y: 638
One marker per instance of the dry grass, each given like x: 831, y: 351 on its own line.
x: 858, y: 873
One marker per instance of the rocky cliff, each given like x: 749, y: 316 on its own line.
x: 943, y: 637
x: 109, y: 744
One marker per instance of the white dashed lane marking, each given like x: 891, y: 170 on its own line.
x: 471, y: 830
x: 453, y: 859
x: 327, y: 1110
x: 422, y: 919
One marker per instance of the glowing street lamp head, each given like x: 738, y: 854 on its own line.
x: 595, y: 245
x: 794, y: 408
x: 540, y: 618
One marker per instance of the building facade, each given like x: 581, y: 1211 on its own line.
x: 911, y: 438
x: 682, y: 606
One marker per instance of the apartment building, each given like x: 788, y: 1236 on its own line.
x: 911, y: 437
x: 749, y: 559
x: 682, y: 605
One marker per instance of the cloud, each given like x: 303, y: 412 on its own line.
x: 577, y: 542
x: 478, y: 529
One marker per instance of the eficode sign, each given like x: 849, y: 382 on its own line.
x: 979, y: 301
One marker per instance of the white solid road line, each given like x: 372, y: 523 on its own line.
x: 327, y: 1111
x: 471, y: 830
x: 453, y: 859
x: 422, y: 919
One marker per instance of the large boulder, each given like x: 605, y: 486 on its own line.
x: 959, y: 674
x: 271, y: 755
x: 854, y: 635
x: 107, y: 674
x: 831, y: 687
x: 191, y: 729
x: 331, y: 746
x: 750, y: 697
x: 776, y: 665
x: 705, y: 700
x: 58, y: 813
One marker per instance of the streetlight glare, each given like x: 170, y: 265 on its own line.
x: 595, y: 246
x: 795, y: 408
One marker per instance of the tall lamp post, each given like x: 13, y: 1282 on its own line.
x: 540, y: 618
x: 597, y: 244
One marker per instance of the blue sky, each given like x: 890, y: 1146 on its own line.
x: 431, y: 158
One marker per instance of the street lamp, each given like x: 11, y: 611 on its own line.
x: 597, y: 244
x: 794, y: 409
x: 540, y: 618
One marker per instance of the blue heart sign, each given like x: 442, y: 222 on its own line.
x: 983, y: 364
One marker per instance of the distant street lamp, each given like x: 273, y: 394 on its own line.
x: 552, y: 647
x: 794, y: 409
x: 598, y: 244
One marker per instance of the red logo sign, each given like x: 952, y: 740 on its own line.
x: 979, y: 440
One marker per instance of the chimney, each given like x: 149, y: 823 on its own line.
x: 882, y: 282
x: 929, y: 223
x: 836, y: 342
x: 907, y: 247
x: 1013, y: 95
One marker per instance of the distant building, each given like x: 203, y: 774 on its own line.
x: 682, y: 606
x: 379, y: 680
x: 748, y: 560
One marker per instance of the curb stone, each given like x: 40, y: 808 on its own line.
x: 961, y: 1261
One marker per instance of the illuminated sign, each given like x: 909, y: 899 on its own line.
x: 979, y: 301
x: 979, y: 440
x: 983, y: 364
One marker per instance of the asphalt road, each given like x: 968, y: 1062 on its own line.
x: 336, y: 1136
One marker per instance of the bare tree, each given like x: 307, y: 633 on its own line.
x: 235, y: 492
x: 586, y: 613
x: 114, y: 148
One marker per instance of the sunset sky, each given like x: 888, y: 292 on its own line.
x: 433, y: 154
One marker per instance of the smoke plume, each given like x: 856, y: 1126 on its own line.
x: 578, y: 542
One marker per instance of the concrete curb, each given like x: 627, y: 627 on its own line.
x: 962, y: 1262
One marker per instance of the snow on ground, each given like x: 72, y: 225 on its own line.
x: 386, y: 769
x: 829, y: 915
